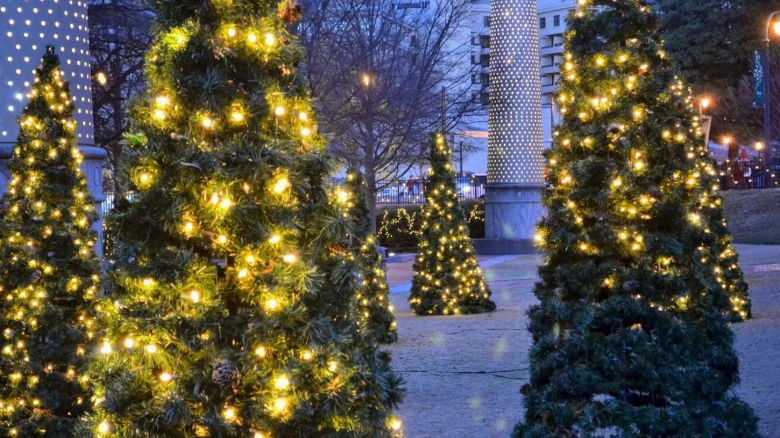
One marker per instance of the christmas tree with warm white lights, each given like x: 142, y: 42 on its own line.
x: 447, y: 277
x: 371, y: 298
x: 48, y: 268
x: 231, y: 315
x: 631, y: 336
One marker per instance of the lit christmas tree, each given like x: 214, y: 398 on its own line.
x: 371, y: 297
x: 48, y: 268
x: 631, y: 337
x: 447, y: 277
x: 717, y: 250
x: 231, y: 311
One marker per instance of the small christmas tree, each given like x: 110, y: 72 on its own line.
x: 717, y: 250
x: 231, y: 315
x: 371, y: 298
x: 49, y: 270
x: 631, y: 336
x: 447, y: 278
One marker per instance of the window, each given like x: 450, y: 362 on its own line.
x: 484, y: 41
x: 484, y: 60
x: 414, y: 5
x: 474, y: 39
x: 542, y: 22
x: 486, y: 20
x: 474, y: 78
x: 485, y: 79
x: 485, y: 97
x: 474, y: 59
x: 557, y: 20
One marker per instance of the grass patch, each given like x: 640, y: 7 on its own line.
x: 753, y: 215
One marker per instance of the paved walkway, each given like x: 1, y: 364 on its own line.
x: 464, y: 373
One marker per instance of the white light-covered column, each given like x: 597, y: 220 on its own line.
x: 26, y: 28
x: 515, y: 139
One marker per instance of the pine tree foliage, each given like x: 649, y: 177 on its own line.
x: 631, y: 335
x: 371, y: 297
x: 447, y: 277
x: 48, y: 268
x: 231, y: 311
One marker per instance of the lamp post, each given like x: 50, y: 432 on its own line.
x: 767, y: 89
x: 706, y: 121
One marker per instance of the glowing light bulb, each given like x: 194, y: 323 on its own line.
x: 271, y: 304
x: 231, y: 32
x: 251, y: 37
x: 162, y: 100
x: 151, y: 348
x: 207, y: 123
x: 280, y: 111
x: 282, y: 382
x: 229, y: 413
x: 104, y: 427
x: 280, y: 404
x: 159, y: 114
x: 305, y: 131
x: 129, y: 342
x: 106, y: 348
x: 237, y: 116
x: 260, y: 351
x: 195, y: 296
x: 269, y: 39
x: 281, y: 185
x: 290, y: 258
x: 165, y: 377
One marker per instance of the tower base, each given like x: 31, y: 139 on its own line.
x: 512, y: 212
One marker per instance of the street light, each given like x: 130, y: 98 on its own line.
x: 706, y: 121
x: 771, y: 22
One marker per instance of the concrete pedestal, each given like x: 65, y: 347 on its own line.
x: 512, y: 212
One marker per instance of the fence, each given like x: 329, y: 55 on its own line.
x: 753, y: 174
x: 412, y: 191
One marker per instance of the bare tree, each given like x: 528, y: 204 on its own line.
x: 119, y: 35
x: 377, y: 70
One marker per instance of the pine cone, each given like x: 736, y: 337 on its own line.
x: 290, y: 11
x: 226, y: 375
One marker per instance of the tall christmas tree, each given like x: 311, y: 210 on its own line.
x: 631, y: 337
x: 231, y: 311
x: 371, y: 298
x: 447, y: 277
x: 48, y: 269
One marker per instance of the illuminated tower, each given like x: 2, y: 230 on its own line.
x: 515, y: 143
x: 26, y: 28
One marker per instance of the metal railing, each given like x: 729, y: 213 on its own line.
x: 750, y: 174
x: 412, y: 191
